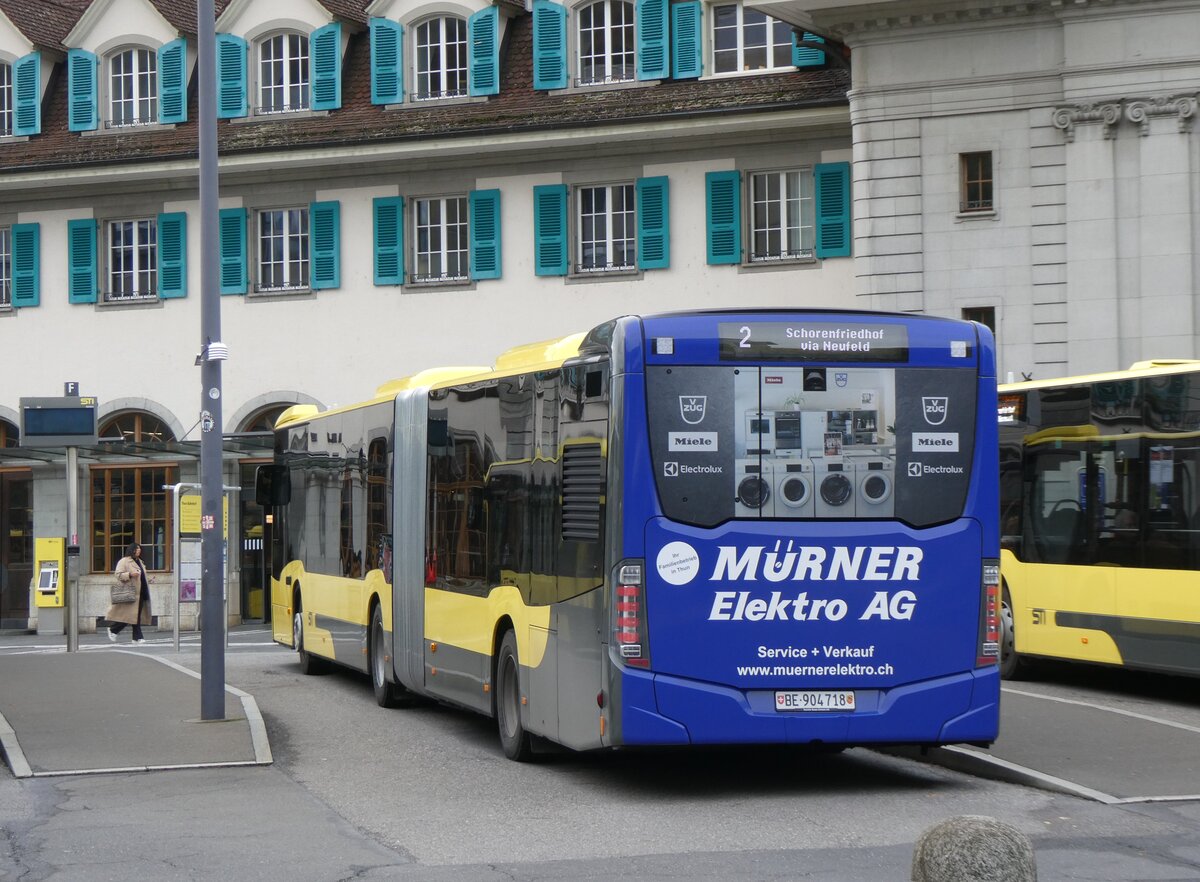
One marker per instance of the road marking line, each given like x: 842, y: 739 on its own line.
x: 1101, y: 707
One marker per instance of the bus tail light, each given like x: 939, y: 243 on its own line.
x: 629, y: 625
x: 989, y: 628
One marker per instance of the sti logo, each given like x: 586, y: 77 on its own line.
x: 935, y: 409
x: 914, y: 470
x: 691, y: 408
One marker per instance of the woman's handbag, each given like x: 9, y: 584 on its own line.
x: 124, y: 592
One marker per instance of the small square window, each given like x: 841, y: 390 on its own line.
x: 985, y: 315
x: 781, y: 216
x: 441, y: 245
x: 975, y: 189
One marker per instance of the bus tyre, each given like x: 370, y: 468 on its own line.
x: 513, y: 737
x: 1012, y: 665
x: 309, y: 664
x: 386, y: 694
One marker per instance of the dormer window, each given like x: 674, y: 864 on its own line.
x: 441, y: 59
x: 606, y: 43
x: 283, y: 73
x: 133, y: 88
x: 745, y: 40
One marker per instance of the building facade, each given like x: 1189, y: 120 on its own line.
x: 403, y: 185
x: 1036, y: 161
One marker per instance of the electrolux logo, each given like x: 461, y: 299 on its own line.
x: 695, y: 442
x: 918, y: 469
x: 914, y: 470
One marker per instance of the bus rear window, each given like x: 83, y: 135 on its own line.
x: 811, y: 443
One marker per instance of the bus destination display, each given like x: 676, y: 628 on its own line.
x: 813, y: 341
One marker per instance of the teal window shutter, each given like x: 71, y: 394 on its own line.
x: 325, y: 223
x: 232, y: 101
x: 325, y: 66
x: 802, y: 56
x: 653, y: 223
x: 387, y: 52
x: 686, y: 40
x: 653, y: 62
x: 550, y: 230
x: 172, y: 82
x: 26, y: 264
x: 549, y: 45
x: 723, y: 203
x: 484, y: 206
x: 831, y: 187
x: 82, y: 112
x: 81, y: 261
x: 27, y: 94
x: 172, y: 255
x: 483, y: 55
x: 231, y: 233
x: 389, y: 240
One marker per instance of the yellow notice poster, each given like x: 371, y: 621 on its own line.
x: 189, y: 515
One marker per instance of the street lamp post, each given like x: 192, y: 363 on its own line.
x: 213, y: 352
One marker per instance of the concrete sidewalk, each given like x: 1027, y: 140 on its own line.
x: 117, y: 711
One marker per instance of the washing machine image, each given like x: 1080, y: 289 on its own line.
x: 752, y: 487
x: 794, y: 492
x: 833, y: 486
x: 874, y: 480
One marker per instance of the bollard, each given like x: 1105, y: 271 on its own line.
x: 973, y: 848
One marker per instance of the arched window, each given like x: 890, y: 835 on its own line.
x: 264, y: 420
x: 283, y: 73
x: 6, y: 99
x: 606, y: 43
x: 441, y: 58
x: 133, y: 87
x: 129, y: 503
x: 10, y: 435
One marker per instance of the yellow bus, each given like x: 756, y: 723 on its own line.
x: 1100, y: 519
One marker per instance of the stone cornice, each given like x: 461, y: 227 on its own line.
x: 1139, y: 111
x: 847, y: 22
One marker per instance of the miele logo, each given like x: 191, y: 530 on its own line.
x: 702, y: 442
x: 935, y: 408
x: 691, y: 408
x: 935, y: 442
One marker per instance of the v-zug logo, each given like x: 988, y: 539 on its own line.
x: 691, y: 408
x: 935, y: 408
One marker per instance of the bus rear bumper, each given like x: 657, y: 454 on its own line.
x: 958, y: 708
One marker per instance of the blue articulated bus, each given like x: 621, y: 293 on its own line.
x: 725, y: 527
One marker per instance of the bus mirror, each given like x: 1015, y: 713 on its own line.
x: 272, y: 486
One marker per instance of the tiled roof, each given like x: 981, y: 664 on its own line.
x: 45, y: 22
x: 517, y: 108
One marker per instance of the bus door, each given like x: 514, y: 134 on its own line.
x: 579, y: 610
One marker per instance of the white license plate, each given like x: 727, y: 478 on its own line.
x: 814, y: 700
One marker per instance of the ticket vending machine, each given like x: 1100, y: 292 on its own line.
x: 50, y: 583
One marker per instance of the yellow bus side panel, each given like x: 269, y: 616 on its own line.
x: 1038, y: 591
x: 469, y: 622
x: 326, y: 597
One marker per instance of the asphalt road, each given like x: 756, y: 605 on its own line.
x: 366, y: 793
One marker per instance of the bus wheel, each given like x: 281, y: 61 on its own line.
x: 309, y: 664
x: 513, y: 737
x: 386, y: 694
x: 1012, y: 665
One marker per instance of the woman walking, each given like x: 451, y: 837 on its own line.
x: 130, y: 569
